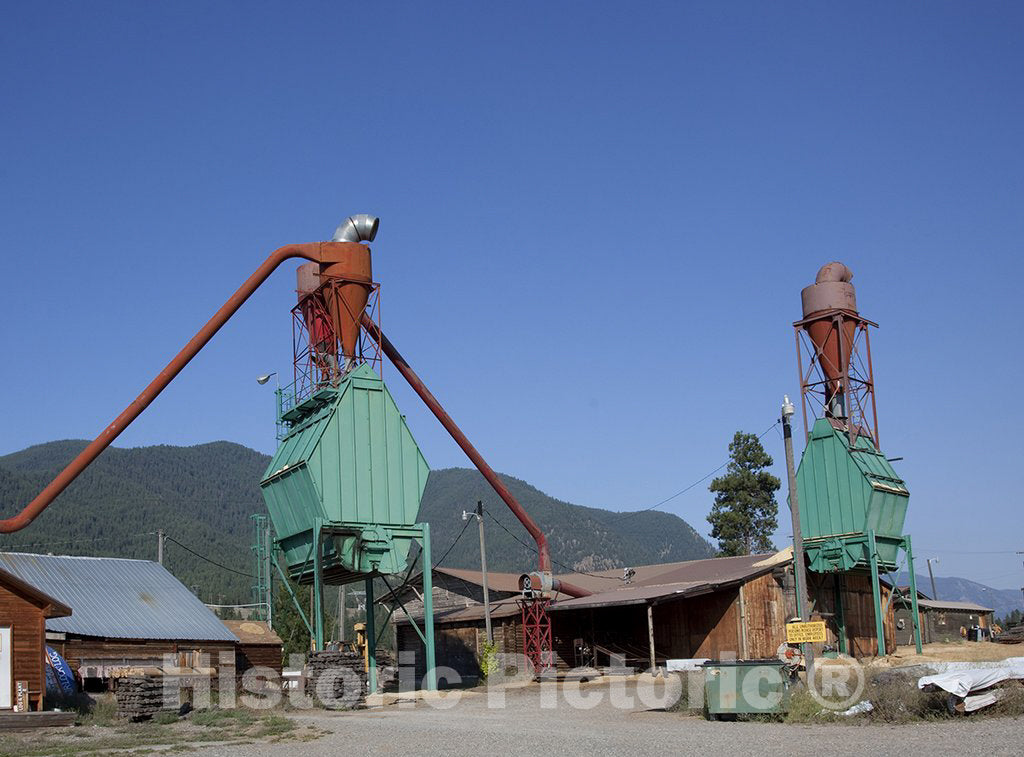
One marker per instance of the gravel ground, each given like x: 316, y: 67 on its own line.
x: 525, y: 727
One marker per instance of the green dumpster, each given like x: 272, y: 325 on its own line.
x: 733, y: 687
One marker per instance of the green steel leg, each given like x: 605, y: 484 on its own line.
x: 318, y: 587
x: 371, y: 639
x: 840, y: 614
x: 913, y: 593
x: 295, y: 600
x: 876, y: 594
x: 430, y: 682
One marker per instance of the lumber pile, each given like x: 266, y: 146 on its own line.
x: 343, y: 679
x: 140, y: 697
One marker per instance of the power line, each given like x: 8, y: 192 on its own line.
x: 452, y: 546
x: 695, y: 483
x: 207, y: 559
x: 533, y: 548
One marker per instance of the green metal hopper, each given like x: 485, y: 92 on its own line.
x: 849, y: 497
x: 348, y: 475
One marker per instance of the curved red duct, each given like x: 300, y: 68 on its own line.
x: 318, y: 252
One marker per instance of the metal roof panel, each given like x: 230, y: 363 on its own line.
x: 116, y: 597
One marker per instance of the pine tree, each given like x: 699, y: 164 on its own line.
x: 745, y: 513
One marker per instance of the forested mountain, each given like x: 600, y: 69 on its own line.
x: 203, y: 496
x: 581, y: 538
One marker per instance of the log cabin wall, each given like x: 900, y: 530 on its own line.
x: 26, y: 620
x: 92, y: 650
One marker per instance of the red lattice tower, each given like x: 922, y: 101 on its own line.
x: 537, y: 644
x: 316, y: 348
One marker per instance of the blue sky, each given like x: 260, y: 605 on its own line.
x: 597, y: 219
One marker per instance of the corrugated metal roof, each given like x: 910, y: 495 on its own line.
x: 939, y: 604
x: 119, y: 598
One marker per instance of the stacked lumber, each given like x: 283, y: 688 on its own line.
x: 344, y: 679
x: 140, y: 697
x: 1013, y: 635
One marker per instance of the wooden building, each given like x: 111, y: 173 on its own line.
x: 694, y: 609
x: 24, y: 610
x: 258, y: 647
x: 941, y: 620
x: 124, y: 613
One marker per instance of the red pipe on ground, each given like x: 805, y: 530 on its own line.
x: 471, y: 452
x: 313, y: 251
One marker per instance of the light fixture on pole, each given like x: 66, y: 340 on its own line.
x: 278, y: 398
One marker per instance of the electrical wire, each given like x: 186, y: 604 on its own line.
x: 207, y: 559
x: 452, y: 546
x: 700, y: 480
x: 533, y: 548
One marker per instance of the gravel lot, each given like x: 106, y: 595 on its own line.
x: 525, y: 727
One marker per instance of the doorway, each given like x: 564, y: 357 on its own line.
x: 6, y: 659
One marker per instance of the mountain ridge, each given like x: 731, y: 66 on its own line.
x: 203, y: 495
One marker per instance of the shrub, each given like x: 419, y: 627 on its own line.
x: 488, y: 659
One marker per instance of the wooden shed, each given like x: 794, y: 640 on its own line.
x: 24, y: 610
x: 941, y: 620
x: 125, y: 613
x: 258, y: 647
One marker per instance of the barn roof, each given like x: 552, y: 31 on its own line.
x: 117, y: 598
x: 253, y: 632
x: 648, y: 583
x: 659, y: 582
x: 943, y: 604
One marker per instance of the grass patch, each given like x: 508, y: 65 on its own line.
x: 223, y: 718
x: 165, y: 718
x: 274, y: 725
x: 177, y: 735
x: 100, y: 710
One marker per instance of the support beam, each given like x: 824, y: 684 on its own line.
x: 650, y: 633
x: 913, y: 592
x: 295, y: 600
x: 318, y: 587
x: 876, y: 593
x: 430, y: 681
x: 371, y: 640
x: 840, y: 614
x: 743, y: 625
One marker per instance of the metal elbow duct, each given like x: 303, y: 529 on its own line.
x: 362, y: 227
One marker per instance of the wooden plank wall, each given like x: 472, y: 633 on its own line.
x: 858, y: 609
x: 27, y: 640
x: 75, y: 649
x: 458, y: 645
x: 764, y: 605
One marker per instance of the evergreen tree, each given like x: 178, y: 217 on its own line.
x: 745, y: 512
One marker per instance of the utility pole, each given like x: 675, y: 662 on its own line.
x: 935, y: 594
x: 160, y: 547
x: 799, y: 569
x: 479, y: 513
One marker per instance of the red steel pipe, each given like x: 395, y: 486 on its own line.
x: 471, y: 452
x: 313, y: 251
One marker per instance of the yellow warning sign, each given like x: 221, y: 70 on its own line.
x: 803, y: 633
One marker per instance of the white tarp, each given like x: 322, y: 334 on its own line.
x: 678, y: 666
x: 963, y: 682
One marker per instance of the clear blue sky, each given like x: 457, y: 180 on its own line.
x: 597, y: 220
